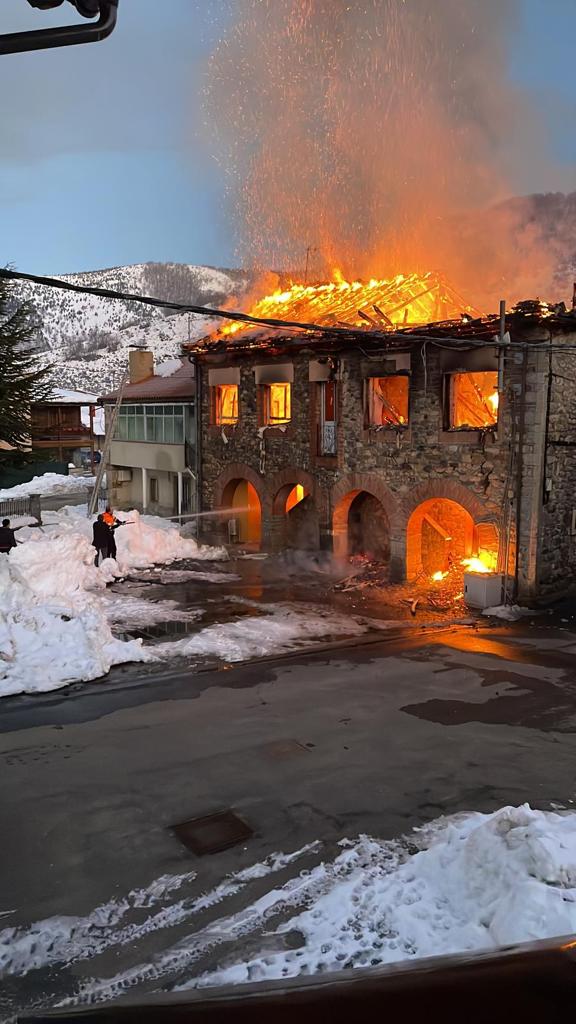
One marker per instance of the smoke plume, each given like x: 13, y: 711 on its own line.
x: 373, y: 133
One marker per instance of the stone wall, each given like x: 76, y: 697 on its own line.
x: 557, y: 561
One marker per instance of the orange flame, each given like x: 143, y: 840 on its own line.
x: 379, y: 303
x: 484, y: 564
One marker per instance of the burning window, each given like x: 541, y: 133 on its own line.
x: 277, y: 404
x: 226, y: 403
x: 297, y: 494
x: 473, y: 400
x: 388, y: 401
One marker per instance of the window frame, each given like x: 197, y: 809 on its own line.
x: 153, y: 486
x: 321, y: 420
x: 267, y: 394
x: 447, y: 403
x: 368, y: 407
x: 217, y: 419
x: 152, y: 418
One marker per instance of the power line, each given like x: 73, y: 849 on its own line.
x: 148, y: 300
x: 409, y: 335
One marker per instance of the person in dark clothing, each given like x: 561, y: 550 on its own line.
x: 112, y: 524
x: 7, y: 538
x: 101, y: 539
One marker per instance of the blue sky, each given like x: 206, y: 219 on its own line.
x: 102, y: 161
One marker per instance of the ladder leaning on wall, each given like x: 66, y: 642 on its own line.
x: 108, y: 437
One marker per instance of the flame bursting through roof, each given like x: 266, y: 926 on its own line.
x: 375, y: 304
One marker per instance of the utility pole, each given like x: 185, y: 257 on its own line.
x: 108, y: 438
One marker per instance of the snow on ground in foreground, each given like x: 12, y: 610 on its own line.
x: 471, y: 882
x: 54, y: 621
x: 48, y: 483
x: 481, y: 881
x: 282, y: 627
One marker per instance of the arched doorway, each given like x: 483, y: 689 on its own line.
x: 440, y: 534
x: 241, y: 498
x: 295, y: 518
x: 361, y: 527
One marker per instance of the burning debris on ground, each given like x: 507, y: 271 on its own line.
x: 441, y: 591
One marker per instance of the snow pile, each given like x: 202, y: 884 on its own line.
x: 148, y: 540
x: 53, y: 631
x: 482, y: 881
x: 54, y: 613
x: 478, y: 881
x: 48, y: 483
x: 168, y: 367
x: 143, y: 541
x: 281, y: 628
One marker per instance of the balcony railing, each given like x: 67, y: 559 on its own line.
x: 62, y: 433
x: 327, y: 439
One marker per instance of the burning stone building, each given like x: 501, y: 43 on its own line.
x: 419, y: 445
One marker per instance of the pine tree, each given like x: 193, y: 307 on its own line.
x: 22, y: 379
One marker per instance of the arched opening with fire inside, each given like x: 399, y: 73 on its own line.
x: 443, y: 541
x: 244, y: 519
x: 361, y: 528
x: 296, y: 518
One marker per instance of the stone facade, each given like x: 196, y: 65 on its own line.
x: 379, y: 476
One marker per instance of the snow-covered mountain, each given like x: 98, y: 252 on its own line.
x: 87, y: 338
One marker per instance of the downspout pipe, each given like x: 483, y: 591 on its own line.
x: 520, y: 468
x: 197, y: 469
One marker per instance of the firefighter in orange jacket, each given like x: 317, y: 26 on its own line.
x: 112, y: 523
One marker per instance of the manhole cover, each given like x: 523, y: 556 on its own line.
x: 212, y: 833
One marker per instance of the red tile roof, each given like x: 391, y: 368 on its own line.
x: 180, y: 385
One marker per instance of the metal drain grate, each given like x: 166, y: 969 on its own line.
x: 212, y: 833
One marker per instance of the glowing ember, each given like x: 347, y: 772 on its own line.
x: 437, y: 576
x: 376, y: 304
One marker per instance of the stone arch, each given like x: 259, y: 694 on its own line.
x: 297, y: 526
x: 240, y: 485
x: 238, y: 471
x: 442, y: 522
x: 283, y: 482
x: 480, y: 509
x: 362, y: 495
x: 370, y: 482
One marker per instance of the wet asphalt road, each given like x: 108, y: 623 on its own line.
x: 370, y: 738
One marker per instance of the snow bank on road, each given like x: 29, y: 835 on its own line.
x: 149, y: 540
x: 54, y: 613
x: 142, y: 542
x: 281, y: 628
x: 48, y: 483
x: 482, y: 881
x: 477, y: 881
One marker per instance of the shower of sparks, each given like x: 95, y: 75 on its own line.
x: 368, y: 135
